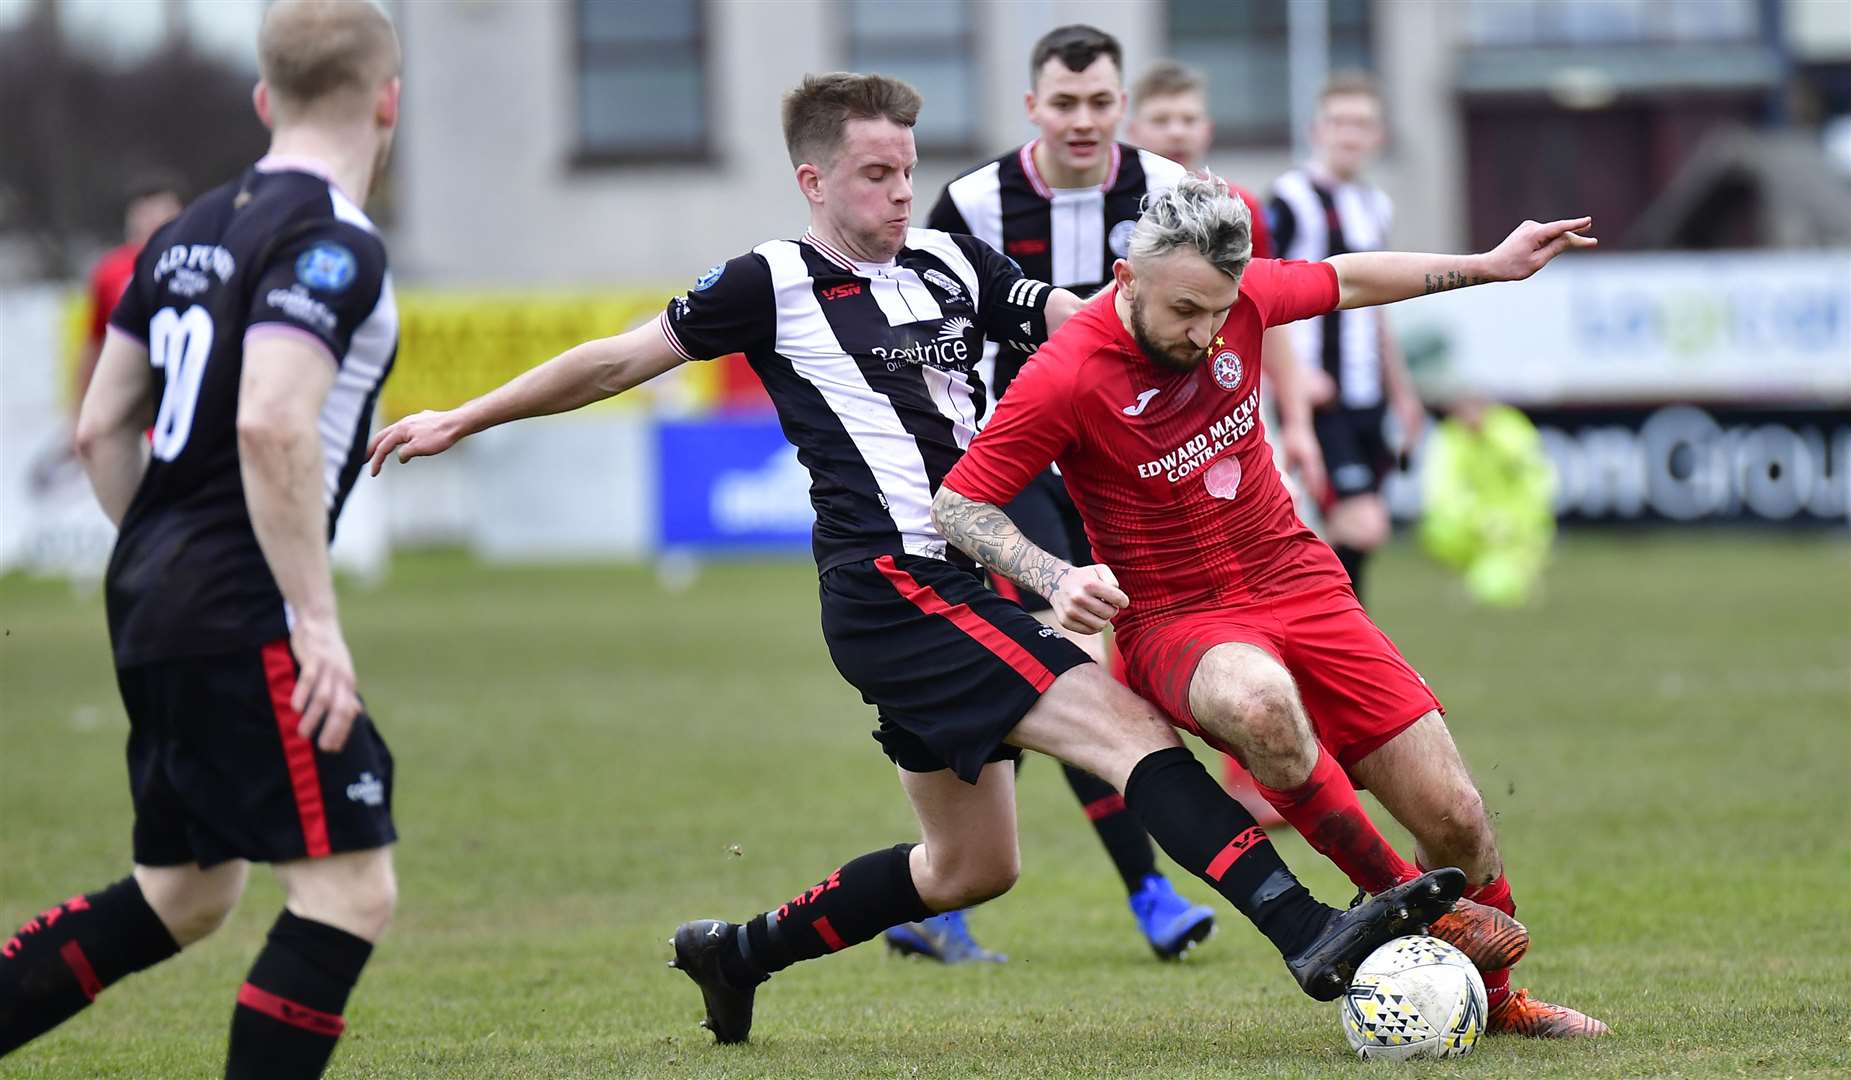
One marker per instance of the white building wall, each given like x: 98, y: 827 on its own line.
x: 488, y: 195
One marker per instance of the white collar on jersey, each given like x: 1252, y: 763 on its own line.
x: 271, y: 163
x: 1027, y: 153
x: 833, y: 254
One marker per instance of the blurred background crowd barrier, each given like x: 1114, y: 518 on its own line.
x: 566, y: 166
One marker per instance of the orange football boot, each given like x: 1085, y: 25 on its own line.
x: 1489, y: 938
x: 1521, y: 1014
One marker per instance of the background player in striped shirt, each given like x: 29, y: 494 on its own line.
x: 866, y: 333
x: 254, y: 337
x: 1231, y: 609
x: 1061, y: 206
x: 1326, y: 208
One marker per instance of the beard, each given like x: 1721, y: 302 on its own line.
x: 1173, y: 356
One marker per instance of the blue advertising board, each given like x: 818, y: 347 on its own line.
x: 731, y: 484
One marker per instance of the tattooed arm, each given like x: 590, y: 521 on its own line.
x: 1083, y: 598
x: 1365, y: 278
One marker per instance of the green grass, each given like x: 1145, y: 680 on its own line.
x: 586, y: 759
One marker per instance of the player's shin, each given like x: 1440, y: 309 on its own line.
x: 58, y: 962
x: 854, y: 904
x: 288, y: 1016
x: 1326, y: 812
x: 1216, y: 839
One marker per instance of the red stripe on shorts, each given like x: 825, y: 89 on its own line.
x: 298, y: 752
x: 281, y: 1008
x: 1004, y: 647
x: 828, y: 933
x: 1005, y: 588
x: 74, y: 958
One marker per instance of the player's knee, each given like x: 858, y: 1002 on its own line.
x: 195, y: 915
x: 991, y: 880
x: 971, y: 878
x: 358, y: 894
x: 1265, y: 712
x: 369, y: 907
x: 191, y: 903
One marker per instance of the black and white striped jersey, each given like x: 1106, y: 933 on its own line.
x: 1064, y: 236
x: 282, y: 251
x: 1314, y: 217
x: 871, y: 367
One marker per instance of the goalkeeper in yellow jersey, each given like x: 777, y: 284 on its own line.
x: 1488, y: 489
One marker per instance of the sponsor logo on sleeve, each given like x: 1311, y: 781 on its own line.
x: 328, y: 268
x: 296, y: 303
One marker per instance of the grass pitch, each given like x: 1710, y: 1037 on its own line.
x: 585, y: 759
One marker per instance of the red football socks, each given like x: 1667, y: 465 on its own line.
x: 1325, y: 811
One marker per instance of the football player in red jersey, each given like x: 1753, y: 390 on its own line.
x: 1232, y: 615
x: 153, y: 201
x: 1169, y: 114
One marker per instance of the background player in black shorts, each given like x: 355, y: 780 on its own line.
x: 866, y: 333
x: 254, y: 338
x: 1062, y: 207
x: 1326, y: 208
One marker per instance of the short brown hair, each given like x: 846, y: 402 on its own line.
x: 1344, y: 83
x: 1168, y: 78
x: 817, y: 111
x: 311, y: 52
x: 1078, y: 46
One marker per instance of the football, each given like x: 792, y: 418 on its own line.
x: 1415, y: 997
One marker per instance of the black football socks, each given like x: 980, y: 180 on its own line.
x: 61, y: 959
x: 288, y: 1016
x: 866, y: 896
x: 1212, y: 836
x: 1119, y: 829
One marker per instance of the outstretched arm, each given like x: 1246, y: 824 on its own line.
x: 1365, y: 278
x: 575, y: 378
x: 117, y: 408
x: 1083, y: 601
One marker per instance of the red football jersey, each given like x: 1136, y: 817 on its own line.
x: 108, y: 281
x: 1262, y: 233
x: 1170, y: 470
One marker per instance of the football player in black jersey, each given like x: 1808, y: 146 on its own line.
x: 254, y: 338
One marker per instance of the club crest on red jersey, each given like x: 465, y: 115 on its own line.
x: 1228, y: 369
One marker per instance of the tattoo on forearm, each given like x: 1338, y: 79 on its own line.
x: 1452, y: 279
x: 987, y: 535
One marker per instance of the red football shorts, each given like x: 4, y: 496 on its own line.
x: 1356, y: 687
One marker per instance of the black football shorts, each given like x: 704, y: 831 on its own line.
x: 951, y: 666
x: 218, y: 772
x: 1356, y: 453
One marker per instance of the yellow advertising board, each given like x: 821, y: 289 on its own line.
x: 455, y: 345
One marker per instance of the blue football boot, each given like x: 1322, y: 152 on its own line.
x: 1170, y: 923
x: 945, y: 938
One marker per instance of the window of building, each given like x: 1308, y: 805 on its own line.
x: 930, y: 45
x: 1242, y: 49
x: 1609, y: 22
x: 642, y: 80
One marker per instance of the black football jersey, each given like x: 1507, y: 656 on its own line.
x: 283, y: 251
